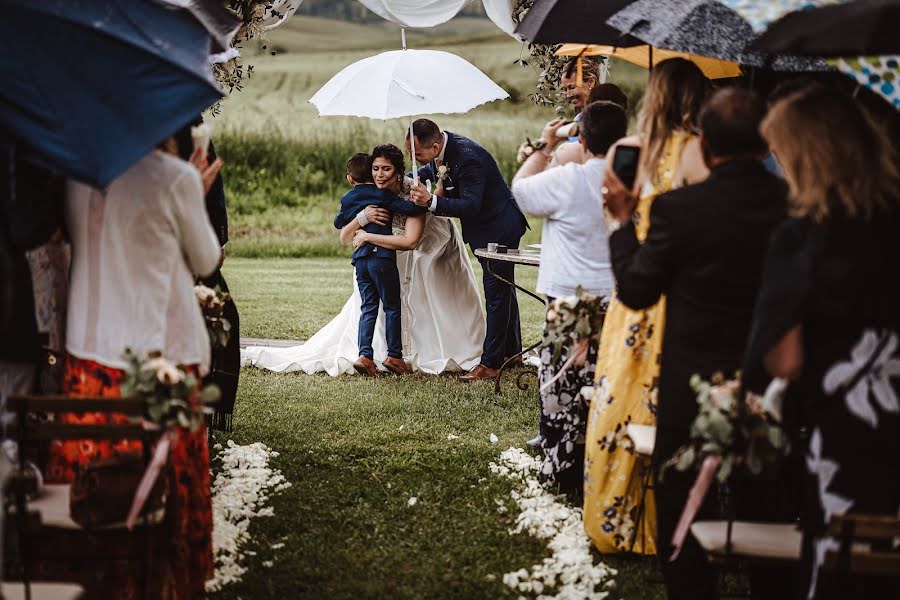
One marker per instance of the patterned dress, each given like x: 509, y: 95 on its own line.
x: 188, y: 544
x: 626, y: 388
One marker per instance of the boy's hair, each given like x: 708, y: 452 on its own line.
x: 358, y: 168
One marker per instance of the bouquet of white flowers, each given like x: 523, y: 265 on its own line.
x: 741, y: 434
x: 167, y: 389
x: 212, y: 303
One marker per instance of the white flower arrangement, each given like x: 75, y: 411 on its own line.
x: 212, y: 305
x: 570, y: 571
x: 443, y: 172
x: 244, y: 483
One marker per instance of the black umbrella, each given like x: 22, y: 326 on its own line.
x: 860, y: 28
x: 575, y: 21
x: 702, y: 27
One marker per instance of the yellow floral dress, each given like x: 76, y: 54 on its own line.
x: 625, y: 392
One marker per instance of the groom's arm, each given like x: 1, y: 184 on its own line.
x: 470, y: 180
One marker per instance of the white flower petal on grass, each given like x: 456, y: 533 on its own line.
x: 494, y: 439
x: 401, y: 429
x: 569, y: 572
x: 242, y: 486
x: 452, y: 437
x: 412, y: 501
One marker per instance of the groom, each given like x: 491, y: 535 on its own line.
x: 476, y: 192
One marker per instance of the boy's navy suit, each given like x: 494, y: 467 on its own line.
x: 376, y: 268
x: 476, y: 192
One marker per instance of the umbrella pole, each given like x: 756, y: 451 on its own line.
x: 412, y: 152
x: 650, y: 57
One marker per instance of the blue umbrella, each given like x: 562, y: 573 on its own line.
x: 91, y: 86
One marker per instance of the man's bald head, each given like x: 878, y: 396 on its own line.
x: 730, y: 124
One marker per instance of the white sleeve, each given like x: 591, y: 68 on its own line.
x: 195, y: 232
x: 544, y: 194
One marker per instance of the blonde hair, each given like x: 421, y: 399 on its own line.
x: 831, y: 151
x: 676, y: 92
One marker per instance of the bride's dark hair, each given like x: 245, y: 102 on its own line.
x: 390, y: 152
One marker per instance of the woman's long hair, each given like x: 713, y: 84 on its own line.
x: 676, y: 92
x: 392, y: 153
x: 831, y: 151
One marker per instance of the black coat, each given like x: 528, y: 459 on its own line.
x: 704, y: 250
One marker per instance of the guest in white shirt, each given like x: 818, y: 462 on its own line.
x: 136, y: 248
x: 574, y: 252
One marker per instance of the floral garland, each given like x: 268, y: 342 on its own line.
x: 544, y: 60
x: 739, y: 434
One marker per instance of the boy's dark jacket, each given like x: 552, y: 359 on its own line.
x: 366, y: 194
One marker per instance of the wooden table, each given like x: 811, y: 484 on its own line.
x: 517, y: 257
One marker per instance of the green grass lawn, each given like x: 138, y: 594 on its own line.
x: 357, y: 449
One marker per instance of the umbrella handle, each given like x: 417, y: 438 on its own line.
x: 412, y: 151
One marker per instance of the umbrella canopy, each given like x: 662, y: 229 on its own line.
x: 415, y: 13
x: 93, y: 85
x: 860, y: 28
x: 762, y: 14
x: 219, y: 23
x: 404, y: 83
x: 703, y: 27
x: 580, y: 21
x: 648, y: 56
x: 881, y: 74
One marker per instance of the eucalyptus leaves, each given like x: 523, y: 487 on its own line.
x: 573, y: 319
x: 168, y: 390
x: 212, y: 303
x: 741, y: 434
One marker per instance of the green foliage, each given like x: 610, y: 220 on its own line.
x: 168, y: 391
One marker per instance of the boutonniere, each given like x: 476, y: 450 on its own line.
x: 443, y: 172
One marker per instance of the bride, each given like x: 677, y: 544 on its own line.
x: 442, y: 320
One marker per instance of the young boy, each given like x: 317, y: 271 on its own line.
x: 376, y: 268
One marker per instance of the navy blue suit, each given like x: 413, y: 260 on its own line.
x: 477, y: 193
x: 376, y: 268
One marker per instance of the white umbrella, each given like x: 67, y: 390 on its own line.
x: 405, y: 83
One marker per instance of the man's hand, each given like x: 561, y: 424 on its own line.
x: 420, y: 195
x: 618, y: 199
x: 549, y: 137
x: 359, y: 238
x: 379, y: 216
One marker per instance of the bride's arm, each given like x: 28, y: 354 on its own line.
x: 415, y: 227
x: 373, y: 213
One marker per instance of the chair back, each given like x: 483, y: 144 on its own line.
x: 866, y: 543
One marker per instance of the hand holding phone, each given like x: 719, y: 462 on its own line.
x: 625, y: 164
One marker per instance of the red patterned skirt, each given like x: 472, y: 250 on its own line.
x: 188, y: 547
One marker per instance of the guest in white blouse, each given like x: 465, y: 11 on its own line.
x: 137, y: 246
x: 574, y: 252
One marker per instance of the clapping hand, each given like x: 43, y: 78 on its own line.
x: 549, y: 137
x: 420, y: 195
x: 208, y: 172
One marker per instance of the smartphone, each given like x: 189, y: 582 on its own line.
x: 625, y: 164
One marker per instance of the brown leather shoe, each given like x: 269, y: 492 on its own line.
x: 479, y: 373
x: 366, y: 366
x: 397, y: 366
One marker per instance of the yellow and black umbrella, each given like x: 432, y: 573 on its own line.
x: 648, y: 57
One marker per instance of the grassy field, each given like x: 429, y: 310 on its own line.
x: 357, y: 449
x: 284, y: 167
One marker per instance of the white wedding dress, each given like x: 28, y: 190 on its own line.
x: 441, y: 313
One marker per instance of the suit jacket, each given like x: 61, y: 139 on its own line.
x: 366, y: 194
x: 704, y: 250
x: 477, y: 193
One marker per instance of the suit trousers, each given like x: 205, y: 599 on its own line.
x: 379, y: 281
x: 504, y: 334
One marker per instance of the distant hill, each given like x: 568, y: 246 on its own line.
x: 352, y: 10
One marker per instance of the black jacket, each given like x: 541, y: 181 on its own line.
x: 705, y: 251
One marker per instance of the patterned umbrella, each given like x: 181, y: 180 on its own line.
x: 704, y: 27
x: 881, y: 74
x: 762, y: 14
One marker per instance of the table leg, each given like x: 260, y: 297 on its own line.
x: 518, y: 287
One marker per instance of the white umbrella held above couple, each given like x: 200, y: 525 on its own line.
x: 406, y: 83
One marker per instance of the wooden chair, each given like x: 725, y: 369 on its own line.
x: 643, y: 437
x: 46, y: 533
x: 857, y: 534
